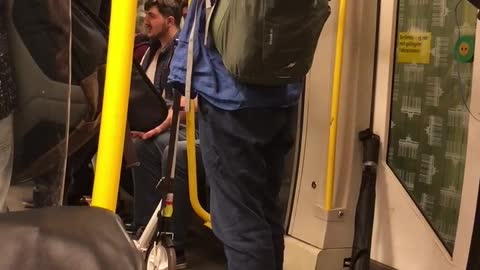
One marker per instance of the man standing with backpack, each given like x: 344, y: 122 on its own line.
x: 7, y: 105
x: 247, y: 128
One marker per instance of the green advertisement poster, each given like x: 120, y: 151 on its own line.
x: 429, y: 115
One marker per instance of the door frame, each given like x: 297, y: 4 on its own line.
x: 474, y: 259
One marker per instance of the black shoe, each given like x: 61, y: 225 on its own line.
x: 43, y: 196
x: 130, y: 228
x: 181, y: 259
x: 28, y: 204
x: 182, y: 262
x: 135, y: 232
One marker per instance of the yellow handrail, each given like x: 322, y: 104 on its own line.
x: 337, y: 77
x: 115, y: 104
x: 192, y: 167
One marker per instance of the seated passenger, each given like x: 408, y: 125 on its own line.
x: 141, y: 46
x: 162, y: 25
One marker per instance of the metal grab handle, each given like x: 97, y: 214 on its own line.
x: 192, y: 167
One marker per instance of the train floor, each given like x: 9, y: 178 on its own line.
x: 204, y: 251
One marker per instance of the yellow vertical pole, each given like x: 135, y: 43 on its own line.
x: 115, y: 103
x: 337, y: 78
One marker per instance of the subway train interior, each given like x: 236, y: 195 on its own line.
x: 384, y: 172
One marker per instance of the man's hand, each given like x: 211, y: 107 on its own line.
x: 156, y: 131
x: 163, y: 126
x: 149, y: 134
x: 136, y: 134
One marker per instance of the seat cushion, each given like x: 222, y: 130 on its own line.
x: 66, y: 238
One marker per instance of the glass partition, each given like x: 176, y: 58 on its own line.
x: 58, y: 56
x: 39, y: 34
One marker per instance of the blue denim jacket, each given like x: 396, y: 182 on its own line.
x: 212, y: 81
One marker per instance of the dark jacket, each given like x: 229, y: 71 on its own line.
x: 163, y: 67
x: 7, y: 84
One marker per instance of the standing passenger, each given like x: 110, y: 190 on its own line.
x: 246, y: 132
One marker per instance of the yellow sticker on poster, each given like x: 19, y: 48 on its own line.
x: 414, y: 47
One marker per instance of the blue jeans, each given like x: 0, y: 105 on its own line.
x: 6, y: 158
x: 153, y: 155
x: 244, y: 154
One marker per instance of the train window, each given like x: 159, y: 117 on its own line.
x: 429, y: 108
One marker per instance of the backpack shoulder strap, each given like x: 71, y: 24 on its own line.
x: 209, y: 7
x: 209, y: 11
x: 189, y: 73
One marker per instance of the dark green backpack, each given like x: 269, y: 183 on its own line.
x: 267, y: 42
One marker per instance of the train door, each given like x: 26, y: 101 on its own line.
x: 427, y: 113
x: 320, y: 237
